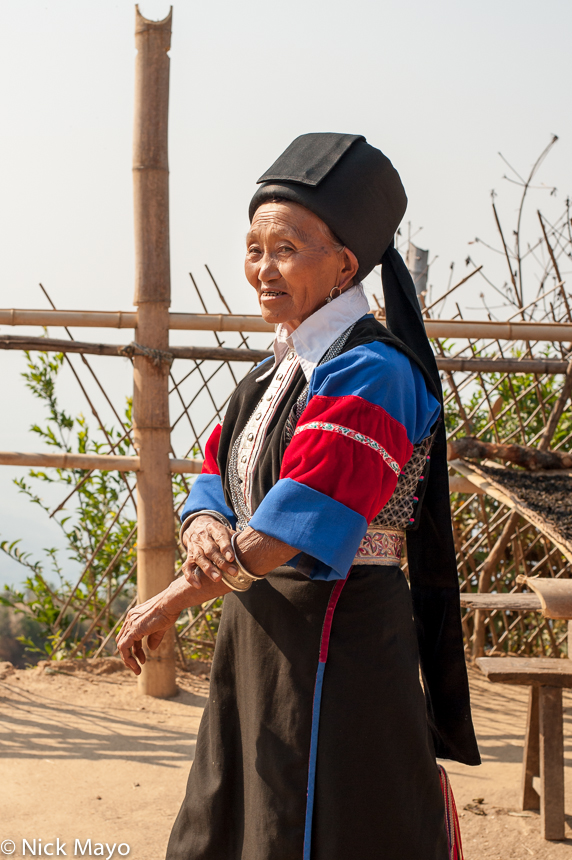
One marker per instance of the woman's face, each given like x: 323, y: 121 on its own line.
x: 293, y: 263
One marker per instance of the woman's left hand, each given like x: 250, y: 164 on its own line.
x: 152, y: 619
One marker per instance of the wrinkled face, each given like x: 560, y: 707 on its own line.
x: 293, y: 262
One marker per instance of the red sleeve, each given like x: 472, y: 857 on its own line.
x: 210, y: 465
x: 349, y: 449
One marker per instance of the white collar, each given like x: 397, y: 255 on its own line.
x: 313, y: 337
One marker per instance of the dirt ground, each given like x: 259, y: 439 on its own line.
x: 83, y: 757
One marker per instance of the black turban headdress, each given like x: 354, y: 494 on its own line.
x: 356, y: 191
x: 352, y: 186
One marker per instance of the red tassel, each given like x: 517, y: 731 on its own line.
x: 451, y: 817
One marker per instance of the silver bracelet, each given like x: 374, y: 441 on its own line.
x: 244, y: 578
x: 188, y: 520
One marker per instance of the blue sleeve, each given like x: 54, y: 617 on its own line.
x: 325, y: 530
x: 207, y: 495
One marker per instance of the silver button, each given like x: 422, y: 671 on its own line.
x: 243, y: 459
x: 259, y: 416
x: 269, y: 397
x: 280, y: 376
x: 250, y: 437
x: 290, y: 356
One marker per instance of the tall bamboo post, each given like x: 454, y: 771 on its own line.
x: 155, y: 541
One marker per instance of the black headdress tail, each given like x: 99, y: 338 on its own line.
x: 431, y: 549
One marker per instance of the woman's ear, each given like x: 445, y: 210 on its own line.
x: 348, y: 269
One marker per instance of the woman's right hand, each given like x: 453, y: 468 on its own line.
x: 208, y: 546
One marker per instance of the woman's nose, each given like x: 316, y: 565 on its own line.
x: 268, y: 268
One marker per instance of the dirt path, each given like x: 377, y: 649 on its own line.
x: 83, y: 757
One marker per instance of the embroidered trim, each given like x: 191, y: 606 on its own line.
x: 379, y: 546
x: 352, y: 434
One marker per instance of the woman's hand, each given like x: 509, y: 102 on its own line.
x: 151, y: 619
x: 154, y: 617
x: 208, y: 546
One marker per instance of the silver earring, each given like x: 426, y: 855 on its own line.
x: 331, y: 296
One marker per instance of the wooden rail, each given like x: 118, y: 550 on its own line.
x: 82, y: 319
x: 476, y: 329
x: 218, y: 353
x: 46, y: 344
x: 114, y: 462
x: 105, y: 462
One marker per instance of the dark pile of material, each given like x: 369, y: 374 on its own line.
x: 548, y: 494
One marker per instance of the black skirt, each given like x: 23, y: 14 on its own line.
x: 314, y: 744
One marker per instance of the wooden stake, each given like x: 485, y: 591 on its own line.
x: 156, y: 538
x: 531, y: 760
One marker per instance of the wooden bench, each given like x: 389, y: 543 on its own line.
x: 543, y: 762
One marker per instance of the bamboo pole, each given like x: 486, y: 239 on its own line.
x: 83, y: 319
x: 220, y: 322
x: 499, y: 330
x: 156, y: 539
x: 475, y: 329
x: 103, y: 462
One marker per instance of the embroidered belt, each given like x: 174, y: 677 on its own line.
x: 380, y: 546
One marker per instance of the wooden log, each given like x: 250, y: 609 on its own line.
x: 551, y: 763
x: 151, y: 425
x: 516, y: 602
x: 217, y: 353
x: 103, y: 462
x: 198, y: 353
x: 531, y: 758
x: 533, y: 459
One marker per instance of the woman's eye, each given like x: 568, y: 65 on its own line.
x: 286, y: 248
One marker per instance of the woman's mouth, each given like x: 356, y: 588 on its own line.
x: 272, y: 294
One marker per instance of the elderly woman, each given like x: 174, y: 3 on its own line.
x: 318, y: 741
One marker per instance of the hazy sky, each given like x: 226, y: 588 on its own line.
x: 440, y: 87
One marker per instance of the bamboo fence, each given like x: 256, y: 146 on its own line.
x: 504, y: 381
